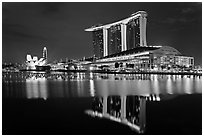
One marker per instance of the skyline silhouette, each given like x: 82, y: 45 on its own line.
x: 28, y: 27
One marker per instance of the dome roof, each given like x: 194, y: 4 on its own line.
x: 167, y: 50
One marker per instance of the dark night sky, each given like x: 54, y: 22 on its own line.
x: 28, y: 27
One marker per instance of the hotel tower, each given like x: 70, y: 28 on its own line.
x: 119, y: 36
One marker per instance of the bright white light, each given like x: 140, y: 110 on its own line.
x: 90, y: 68
x: 41, y: 59
x: 28, y: 57
x: 92, y: 90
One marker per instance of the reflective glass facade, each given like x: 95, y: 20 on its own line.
x: 119, y: 36
x: 114, y: 39
x: 158, y: 62
x: 153, y: 58
x: 133, y: 34
x: 184, y: 61
x: 98, y: 43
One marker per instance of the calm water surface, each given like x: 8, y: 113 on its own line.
x: 89, y: 103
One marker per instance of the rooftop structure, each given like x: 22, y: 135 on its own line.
x: 124, y: 21
x: 119, y: 36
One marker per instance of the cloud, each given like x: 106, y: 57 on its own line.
x: 187, y: 10
x: 50, y: 8
x: 17, y: 32
x: 180, y: 19
x: 184, y: 13
x: 192, y: 8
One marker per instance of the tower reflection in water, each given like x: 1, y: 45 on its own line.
x: 128, y: 110
x: 36, y: 86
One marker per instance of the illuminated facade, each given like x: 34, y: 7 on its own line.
x: 98, y: 43
x: 114, y: 39
x: 31, y: 63
x: 147, y: 58
x: 119, y: 36
x: 45, y: 53
x: 133, y: 34
x: 122, y: 44
x: 184, y: 61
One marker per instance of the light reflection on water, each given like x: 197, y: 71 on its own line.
x: 121, y: 98
x: 63, y: 85
x: 128, y: 110
x: 36, y: 88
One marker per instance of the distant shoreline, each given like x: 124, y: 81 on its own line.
x: 122, y: 72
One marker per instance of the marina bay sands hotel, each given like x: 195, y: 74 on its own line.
x: 120, y: 36
x: 125, y: 42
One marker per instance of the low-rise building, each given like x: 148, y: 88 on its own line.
x: 148, y: 58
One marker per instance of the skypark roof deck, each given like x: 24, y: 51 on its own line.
x: 124, y: 21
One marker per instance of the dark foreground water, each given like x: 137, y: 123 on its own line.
x: 57, y: 103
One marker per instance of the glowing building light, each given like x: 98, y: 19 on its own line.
x: 28, y: 57
x: 90, y: 68
x: 35, y: 58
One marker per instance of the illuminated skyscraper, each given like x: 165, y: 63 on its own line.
x: 114, y: 39
x: 133, y: 34
x: 45, y: 53
x: 98, y: 43
x: 120, y: 36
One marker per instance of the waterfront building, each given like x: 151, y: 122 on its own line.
x: 31, y: 63
x: 114, y: 39
x: 119, y: 36
x: 184, y: 61
x: 98, y: 43
x: 122, y: 45
x: 147, y: 58
x: 59, y: 66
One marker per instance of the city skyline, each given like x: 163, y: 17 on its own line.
x: 28, y: 27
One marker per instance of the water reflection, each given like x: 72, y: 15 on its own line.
x: 36, y: 88
x: 117, y: 97
x: 150, y: 84
x: 92, y: 88
x: 62, y: 84
x: 129, y: 110
x: 169, y: 87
